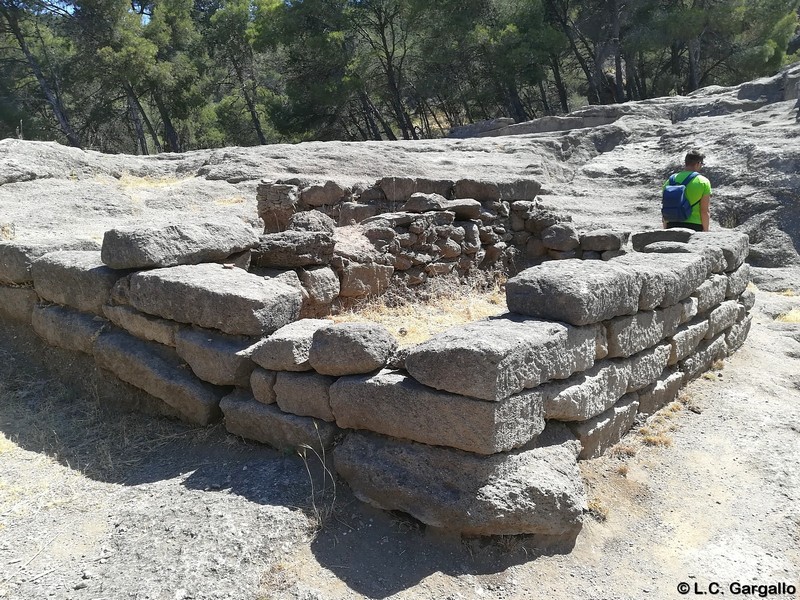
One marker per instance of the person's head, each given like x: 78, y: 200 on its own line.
x: 694, y: 160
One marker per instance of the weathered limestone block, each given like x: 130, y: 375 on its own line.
x: 355, y: 212
x: 711, y: 293
x: 665, y: 280
x: 737, y: 281
x: 736, y: 335
x: 143, y: 247
x: 714, y: 256
x: 321, y: 284
x: 159, y: 371
x: 16, y: 304
x: 449, y: 248
x: 311, y: 220
x: 531, y: 491
x: 603, y: 431
x: 289, y: 249
x: 304, y: 394
x: 493, y: 359
x: 67, y: 328
x: 74, y: 278
x: 327, y: 193
x: 214, y: 357
x: 747, y: 300
x: 16, y: 258
x: 603, y: 240
x: 397, y: 189
x: 394, y: 404
x: 721, y: 318
x: 472, y: 236
x: 643, y: 238
x: 704, y: 357
x: 647, y: 366
x: 262, y: 382
x: 586, y: 395
x: 686, y: 339
x: 361, y: 280
x: 734, y: 245
x: 350, y: 348
x: 667, y: 248
x: 561, y: 236
x: 574, y: 291
x: 208, y: 295
x: 276, y: 204
x: 481, y: 191
x: 268, y: 424
x: 660, y: 393
x: 143, y: 326
x: 464, y: 208
x: 634, y: 333
x: 287, y: 349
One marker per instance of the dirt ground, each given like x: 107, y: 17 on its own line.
x: 97, y: 505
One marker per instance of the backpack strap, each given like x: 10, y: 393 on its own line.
x: 687, y: 181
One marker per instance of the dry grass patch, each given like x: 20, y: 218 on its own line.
x: 412, y: 322
x: 793, y: 316
x: 597, y: 509
x: 128, y: 181
x: 623, y: 451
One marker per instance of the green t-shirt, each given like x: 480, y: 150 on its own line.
x: 698, y: 187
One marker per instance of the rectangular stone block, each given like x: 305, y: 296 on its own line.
x: 737, y: 281
x: 666, y: 279
x: 734, y: 245
x: 498, y: 357
x: 647, y: 366
x: 587, y: 394
x: 159, y: 371
x: 736, y: 335
x: 603, y: 431
x: 394, y: 404
x: 16, y: 303
x: 262, y: 383
x: 722, y: 317
x: 16, y: 258
x: 74, y: 278
x: 141, y: 325
x: 662, y: 392
x: 216, y: 358
x: 711, y: 292
x: 701, y: 360
x: 305, y: 394
x: 268, y: 424
x: 287, y: 349
x: 631, y: 334
x: 67, y: 328
x: 686, y: 339
x: 212, y: 296
x: 574, y: 291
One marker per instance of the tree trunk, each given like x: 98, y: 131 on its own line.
x: 619, y: 86
x: 169, y: 130
x: 515, y: 104
x: 368, y: 108
x: 694, y: 62
x: 150, y: 129
x: 545, y: 103
x: 251, y: 106
x: 594, y: 93
x: 133, y: 111
x: 50, y: 94
x: 562, y: 90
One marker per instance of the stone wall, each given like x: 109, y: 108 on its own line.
x: 477, y: 430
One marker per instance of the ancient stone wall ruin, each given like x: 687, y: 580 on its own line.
x: 476, y: 430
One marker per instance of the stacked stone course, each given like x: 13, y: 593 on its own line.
x: 478, y: 429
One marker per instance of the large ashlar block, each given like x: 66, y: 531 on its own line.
x: 686, y: 339
x: 642, y: 238
x: 736, y: 335
x: 535, y: 491
x: 350, y: 348
x: 661, y: 392
x: 711, y: 293
x: 143, y: 326
x: 268, y: 424
x: 143, y: 247
x: 67, y: 328
x: 722, y: 317
x: 216, y: 358
x: 603, y: 431
x: 394, y: 404
x: 287, y: 349
x: 737, y: 281
x: 747, y: 300
x: 304, y: 394
x: 574, y: 291
x: 498, y: 357
x: 666, y: 279
x: 16, y: 304
x: 734, y: 245
x: 16, y: 258
x: 75, y: 278
x: 212, y: 296
x: 587, y: 394
x: 160, y: 372
x: 290, y: 249
x: 262, y: 382
x: 704, y: 357
x: 647, y: 366
x: 631, y: 334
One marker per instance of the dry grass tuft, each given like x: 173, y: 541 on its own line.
x: 598, y: 510
x: 623, y: 450
x: 623, y: 470
x: 412, y: 322
x: 793, y: 316
x: 787, y: 292
x: 230, y: 201
x: 128, y: 181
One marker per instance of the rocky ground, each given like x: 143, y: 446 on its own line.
x: 96, y: 505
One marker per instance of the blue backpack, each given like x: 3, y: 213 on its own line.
x: 675, y: 206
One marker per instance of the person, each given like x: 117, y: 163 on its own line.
x: 698, y: 192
